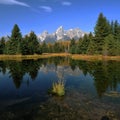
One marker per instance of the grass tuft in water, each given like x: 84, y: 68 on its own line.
x: 58, y: 88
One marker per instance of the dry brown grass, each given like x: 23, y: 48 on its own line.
x: 94, y: 57
x: 35, y: 56
x: 48, y: 55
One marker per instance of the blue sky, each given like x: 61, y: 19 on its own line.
x: 40, y: 15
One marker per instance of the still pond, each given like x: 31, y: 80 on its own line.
x: 92, y: 89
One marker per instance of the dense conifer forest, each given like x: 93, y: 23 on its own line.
x: 105, y: 40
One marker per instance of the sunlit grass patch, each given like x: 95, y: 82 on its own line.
x: 58, y: 88
x: 94, y: 57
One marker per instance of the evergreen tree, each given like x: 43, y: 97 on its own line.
x: 72, y: 46
x: 2, y: 45
x: 91, y: 46
x: 116, y: 30
x: 33, y: 43
x: 58, y: 47
x: 25, y: 46
x: 39, y: 50
x: 30, y: 45
x: 109, y: 45
x: 102, y: 29
x: 84, y: 44
x: 15, y: 41
x: 50, y: 48
x: 112, y: 28
x: 44, y: 47
x: 78, y: 46
x: 117, y: 36
x: 7, y: 46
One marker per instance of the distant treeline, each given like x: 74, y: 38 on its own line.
x: 105, y: 41
x: 29, y: 44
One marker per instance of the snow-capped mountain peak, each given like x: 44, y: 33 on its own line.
x: 61, y: 34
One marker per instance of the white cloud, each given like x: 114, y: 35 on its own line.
x: 13, y: 2
x: 66, y: 3
x: 46, y: 8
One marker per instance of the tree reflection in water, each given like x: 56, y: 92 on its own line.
x: 106, y: 74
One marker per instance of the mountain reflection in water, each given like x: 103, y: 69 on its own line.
x: 88, y: 85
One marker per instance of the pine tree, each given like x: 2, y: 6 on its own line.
x: 116, y: 30
x: 78, y: 46
x: 25, y: 46
x: 44, y: 47
x: 58, y: 47
x: 112, y: 28
x: 102, y: 29
x: 91, y: 46
x: 33, y: 43
x: 109, y: 45
x: 30, y: 45
x: 15, y: 41
x: 2, y: 45
x: 72, y: 46
x: 84, y: 44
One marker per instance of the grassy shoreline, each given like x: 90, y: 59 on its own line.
x: 95, y: 57
x: 35, y: 56
x: 48, y: 55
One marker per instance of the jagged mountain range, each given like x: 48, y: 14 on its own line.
x: 60, y: 70
x: 61, y: 34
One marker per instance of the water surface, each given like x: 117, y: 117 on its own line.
x: 92, y: 89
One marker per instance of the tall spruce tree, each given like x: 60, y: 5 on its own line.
x: 44, y: 47
x: 72, y: 46
x: 58, y: 47
x: 14, y: 46
x: 78, y: 46
x: 117, y: 36
x: 85, y: 44
x: 2, y: 45
x: 91, y: 45
x: 109, y: 47
x: 116, y: 30
x: 25, y: 46
x: 33, y: 42
x: 112, y: 28
x: 101, y: 30
x: 30, y: 44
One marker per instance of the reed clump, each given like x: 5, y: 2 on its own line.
x: 58, y: 88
